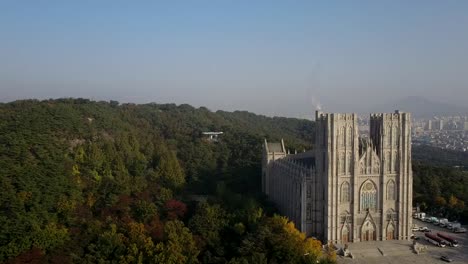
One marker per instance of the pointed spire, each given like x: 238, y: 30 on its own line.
x: 282, y: 145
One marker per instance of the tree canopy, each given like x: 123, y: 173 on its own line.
x: 103, y: 182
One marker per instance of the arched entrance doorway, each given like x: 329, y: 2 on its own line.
x: 345, y: 234
x: 368, y: 231
x: 390, y: 232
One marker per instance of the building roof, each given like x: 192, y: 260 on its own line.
x: 275, y: 147
x: 307, y: 159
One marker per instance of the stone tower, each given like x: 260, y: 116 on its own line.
x: 391, y: 136
x: 336, y: 151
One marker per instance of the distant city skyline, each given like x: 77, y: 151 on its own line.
x: 268, y: 57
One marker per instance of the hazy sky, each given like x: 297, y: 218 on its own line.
x: 269, y: 57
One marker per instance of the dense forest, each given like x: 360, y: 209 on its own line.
x: 441, y: 157
x: 440, y: 182
x: 100, y: 182
x: 103, y: 182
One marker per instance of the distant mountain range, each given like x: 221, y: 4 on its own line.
x: 421, y: 107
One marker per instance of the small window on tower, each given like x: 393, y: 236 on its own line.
x: 391, y: 190
x: 345, y: 192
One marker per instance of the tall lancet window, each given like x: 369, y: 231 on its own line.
x: 345, y: 192
x: 342, y: 136
x: 348, y: 163
x: 394, y: 136
x: 389, y: 163
x: 341, y: 163
x: 368, y: 196
x: 388, y: 135
x: 394, y: 161
x: 391, y: 190
x: 349, y: 132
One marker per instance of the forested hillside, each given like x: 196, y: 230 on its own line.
x: 99, y: 182
x: 440, y: 182
x: 440, y: 157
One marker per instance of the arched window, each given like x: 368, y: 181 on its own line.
x: 394, y: 161
x: 395, y: 136
x: 368, y: 196
x: 341, y: 163
x: 348, y: 163
x: 345, y: 192
x: 388, y: 136
x: 342, y: 136
x: 391, y: 190
x: 349, y: 133
x: 388, y: 161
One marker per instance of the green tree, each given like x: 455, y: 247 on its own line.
x: 110, y: 246
x: 50, y: 236
x: 179, y: 245
x: 440, y: 201
x: 169, y: 171
x: 208, y: 222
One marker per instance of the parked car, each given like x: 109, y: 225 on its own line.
x: 443, y: 222
x: 452, y: 226
x: 446, y: 259
x: 420, y: 216
x: 459, y: 230
x: 423, y: 228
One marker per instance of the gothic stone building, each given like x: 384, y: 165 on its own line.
x: 347, y: 188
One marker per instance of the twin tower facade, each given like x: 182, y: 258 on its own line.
x: 347, y: 188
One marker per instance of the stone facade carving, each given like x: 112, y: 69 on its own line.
x: 346, y: 189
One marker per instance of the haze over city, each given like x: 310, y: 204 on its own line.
x: 268, y: 57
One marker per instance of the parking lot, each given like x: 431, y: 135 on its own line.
x: 395, y: 251
x: 458, y: 254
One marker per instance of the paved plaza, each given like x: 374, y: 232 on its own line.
x: 395, y: 251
